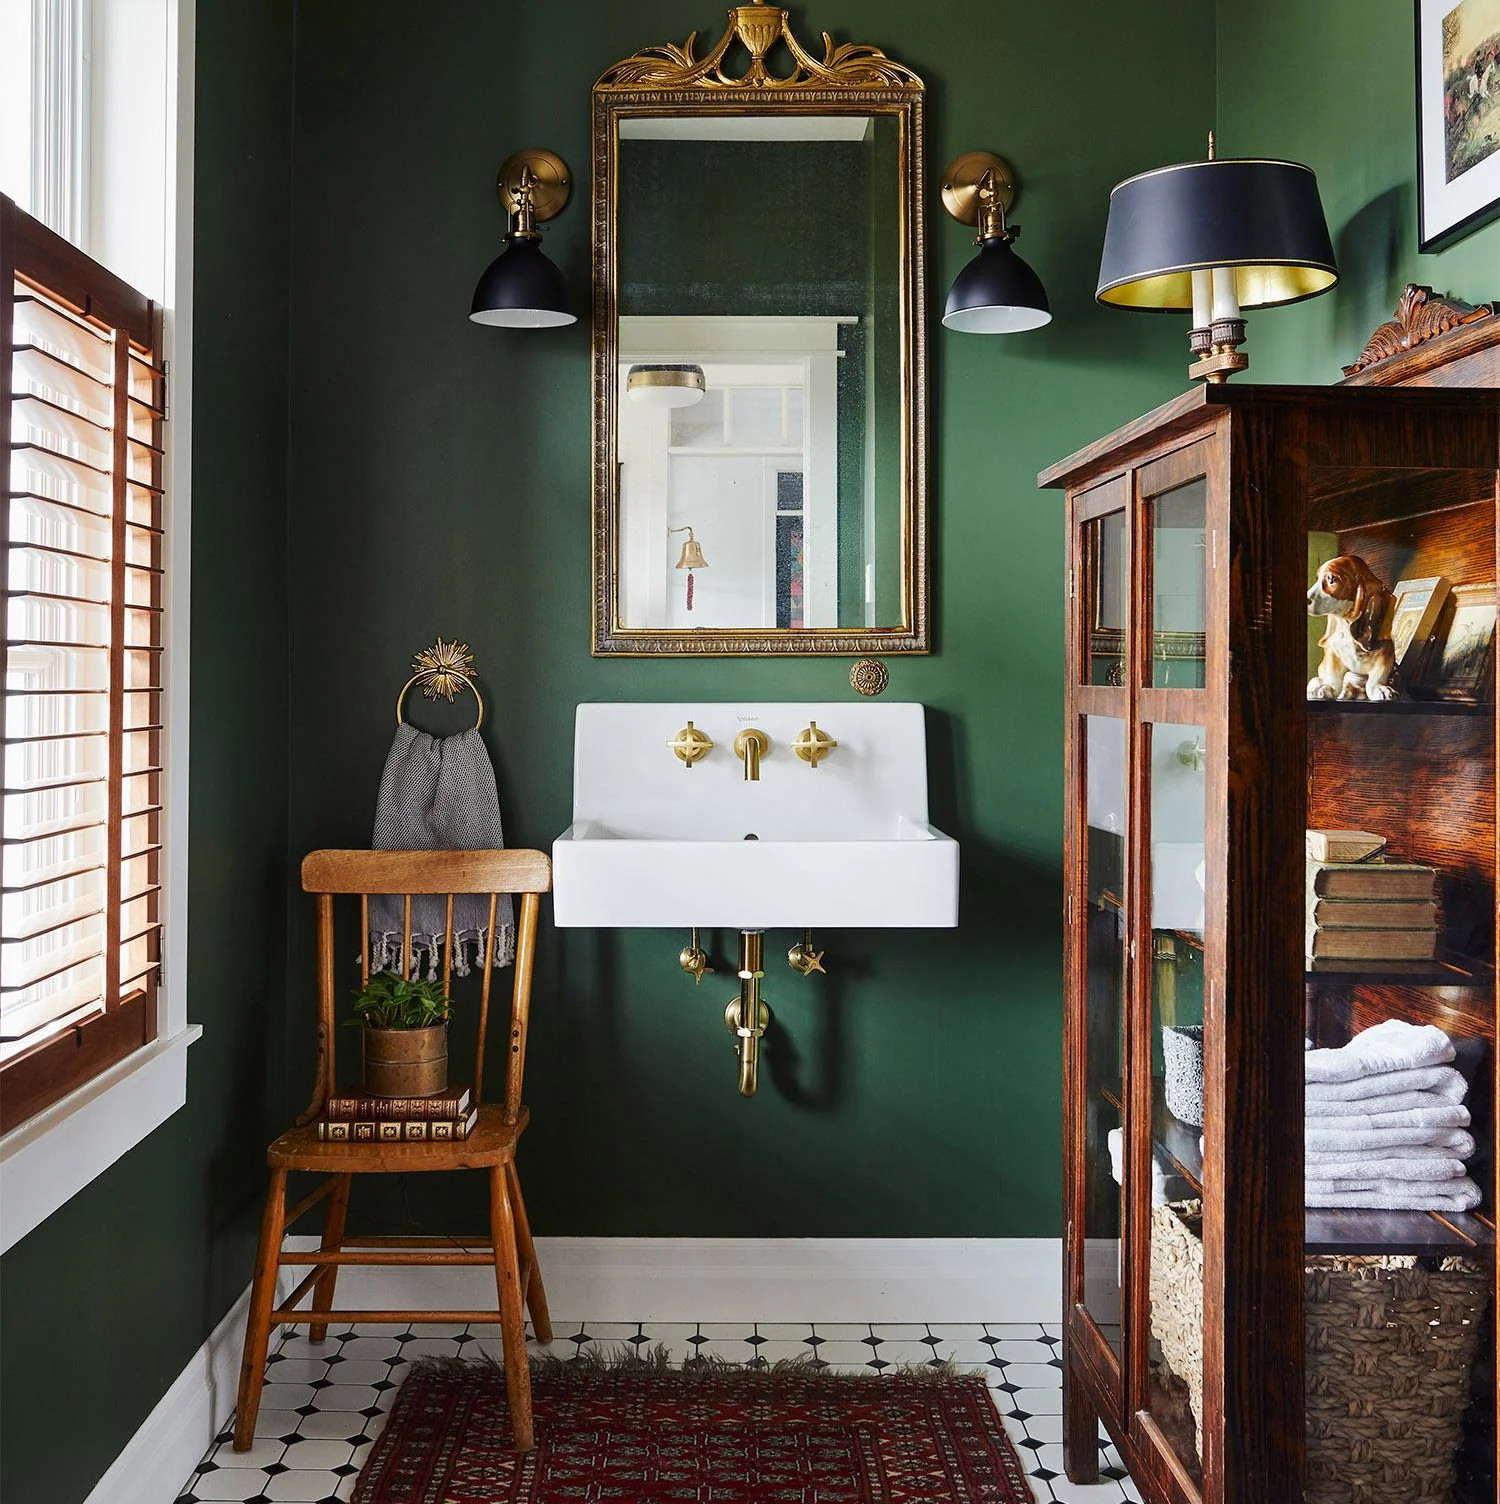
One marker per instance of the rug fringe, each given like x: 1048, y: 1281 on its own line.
x: 603, y: 1360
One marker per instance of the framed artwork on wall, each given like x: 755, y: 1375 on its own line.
x: 1458, y: 117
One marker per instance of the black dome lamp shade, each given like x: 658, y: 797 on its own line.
x: 997, y: 292
x: 1216, y: 237
x: 521, y: 288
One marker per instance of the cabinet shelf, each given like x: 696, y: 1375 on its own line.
x: 1398, y: 707
x: 1329, y: 1230
x: 1446, y: 969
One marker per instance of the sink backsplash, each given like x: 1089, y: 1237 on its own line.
x: 871, y: 786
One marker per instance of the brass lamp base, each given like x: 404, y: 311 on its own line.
x: 1218, y: 352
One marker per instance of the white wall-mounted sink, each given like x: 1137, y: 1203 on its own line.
x: 657, y: 844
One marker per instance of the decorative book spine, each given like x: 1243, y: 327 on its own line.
x: 402, y: 1109
x: 414, y: 1130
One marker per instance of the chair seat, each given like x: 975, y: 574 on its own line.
x: 491, y: 1141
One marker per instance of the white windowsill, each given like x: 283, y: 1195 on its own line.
x: 52, y: 1156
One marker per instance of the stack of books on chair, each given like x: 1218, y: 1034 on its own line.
x: 1362, y: 906
x: 398, y: 1120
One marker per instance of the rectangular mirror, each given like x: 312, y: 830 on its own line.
x: 759, y: 364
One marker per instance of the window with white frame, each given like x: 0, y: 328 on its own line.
x: 87, y: 111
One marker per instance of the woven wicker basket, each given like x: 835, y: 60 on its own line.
x: 1389, y: 1346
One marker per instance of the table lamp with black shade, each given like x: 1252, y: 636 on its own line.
x: 1215, y: 238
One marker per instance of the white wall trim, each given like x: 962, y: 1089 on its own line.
x: 52, y: 1156
x: 751, y: 1279
x: 171, y: 1442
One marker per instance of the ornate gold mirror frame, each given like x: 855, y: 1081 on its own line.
x: 672, y: 80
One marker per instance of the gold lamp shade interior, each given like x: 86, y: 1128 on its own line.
x: 692, y: 555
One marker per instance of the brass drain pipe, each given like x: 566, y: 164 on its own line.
x: 747, y: 1015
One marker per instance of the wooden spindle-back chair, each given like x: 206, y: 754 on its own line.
x: 490, y: 1145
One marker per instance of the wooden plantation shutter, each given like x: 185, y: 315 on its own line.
x: 81, y: 415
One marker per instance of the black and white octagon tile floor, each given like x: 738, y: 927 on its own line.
x: 323, y: 1406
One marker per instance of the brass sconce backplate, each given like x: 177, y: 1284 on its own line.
x: 551, y: 182
x: 961, y: 180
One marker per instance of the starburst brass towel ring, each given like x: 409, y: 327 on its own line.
x: 443, y: 669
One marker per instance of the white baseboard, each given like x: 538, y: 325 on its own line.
x: 751, y: 1279
x: 160, y: 1456
x: 631, y: 1279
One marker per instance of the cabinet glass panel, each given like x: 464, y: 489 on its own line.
x: 1106, y: 599
x: 1400, y: 935
x: 1178, y: 778
x: 1106, y: 805
x: 1179, y: 574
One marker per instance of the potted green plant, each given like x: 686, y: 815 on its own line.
x: 403, y: 1024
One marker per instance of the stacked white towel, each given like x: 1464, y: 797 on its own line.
x: 1386, y: 1125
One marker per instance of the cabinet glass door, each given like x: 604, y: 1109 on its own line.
x: 1099, y: 932
x: 1176, y: 763
x: 1106, y: 807
x: 1107, y: 598
x: 1179, y: 575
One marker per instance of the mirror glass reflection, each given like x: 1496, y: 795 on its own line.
x: 759, y: 375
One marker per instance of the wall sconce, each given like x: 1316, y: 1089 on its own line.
x: 521, y: 288
x: 665, y: 386
x: 1216, y: 237
x: 690, y: 559
x: 997, y: 292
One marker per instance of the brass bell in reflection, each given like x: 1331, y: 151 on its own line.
x: 692, y: 554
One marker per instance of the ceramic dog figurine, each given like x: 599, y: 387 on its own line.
x: 1358, y: 661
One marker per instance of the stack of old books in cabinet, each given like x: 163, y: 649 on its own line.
x: 1215, y: 1311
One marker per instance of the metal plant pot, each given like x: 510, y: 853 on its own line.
x: 405, y: 1062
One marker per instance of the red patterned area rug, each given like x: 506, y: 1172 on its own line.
x: 646, y: 1433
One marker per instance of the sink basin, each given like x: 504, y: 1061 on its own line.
x: 846, y: 844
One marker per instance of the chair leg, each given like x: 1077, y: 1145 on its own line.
x: 333, y: 1239
x: 262, y: 1303
x: 536, y: 1296
x: 512, y: 1313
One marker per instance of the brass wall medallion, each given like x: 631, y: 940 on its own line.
x: 869, y: 676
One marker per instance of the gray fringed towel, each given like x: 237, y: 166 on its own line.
x: 438, y: 794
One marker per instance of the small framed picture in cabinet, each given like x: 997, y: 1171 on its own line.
x: 1460, y: 664
x: 1419, y: 605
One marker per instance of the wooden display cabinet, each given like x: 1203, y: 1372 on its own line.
x: 1194, y: 765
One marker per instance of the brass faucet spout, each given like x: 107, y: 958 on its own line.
x: 750, y: 746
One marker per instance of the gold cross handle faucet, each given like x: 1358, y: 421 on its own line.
x: 813, y: 745
x: 691, y: 745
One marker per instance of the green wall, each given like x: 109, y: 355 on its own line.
x: 106, y: 1302
x: 440, y: 482
x: 1330, y: 84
